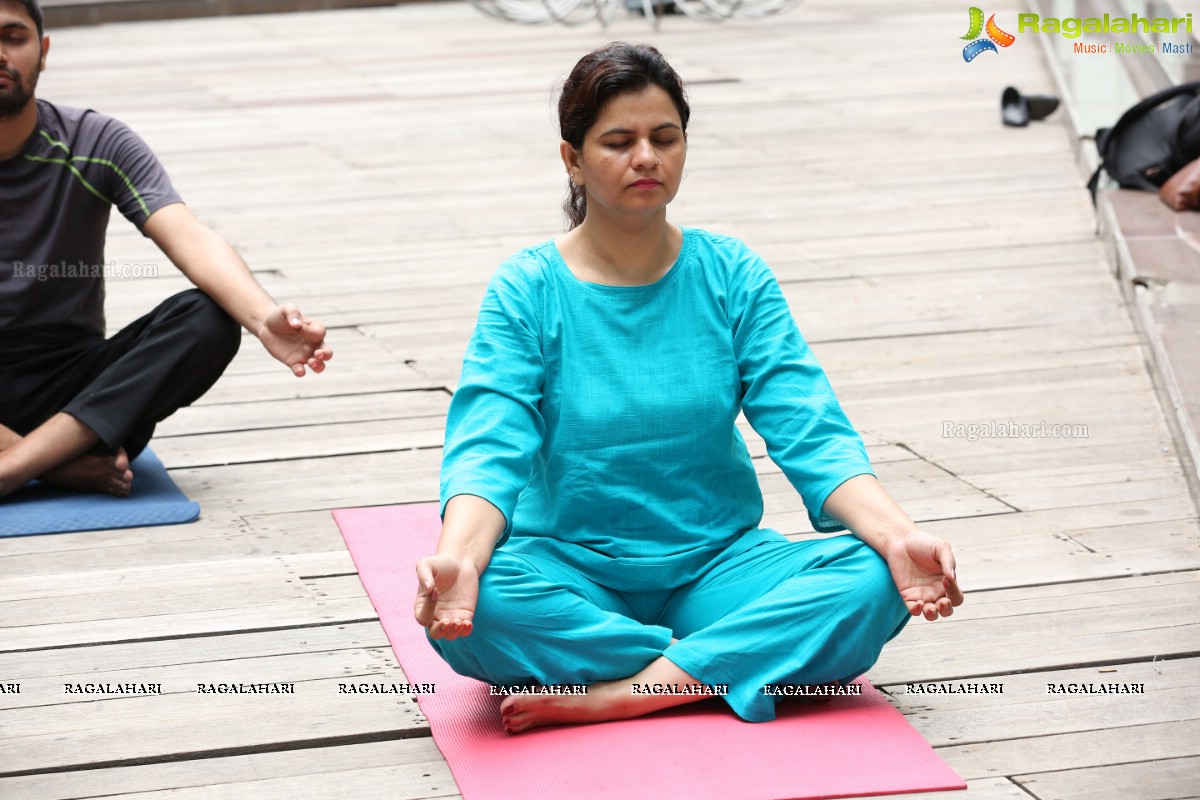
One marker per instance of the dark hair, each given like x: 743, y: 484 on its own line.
x: 35, y: 13
x: 597, y: 78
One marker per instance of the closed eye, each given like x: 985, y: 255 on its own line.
x: 619, y: 145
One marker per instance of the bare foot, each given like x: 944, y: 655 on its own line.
x: 94, y: 473
x: 604, y: 701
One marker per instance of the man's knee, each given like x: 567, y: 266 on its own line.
x: 216, y: 334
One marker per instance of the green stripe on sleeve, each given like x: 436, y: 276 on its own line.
x: 128, y: 183
x: 86, y: 159
x: 75, y: 172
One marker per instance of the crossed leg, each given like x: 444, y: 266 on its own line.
x: 59, y: 453
x: 781, y: 612
x: 86, y: 406
x: 805, y: 613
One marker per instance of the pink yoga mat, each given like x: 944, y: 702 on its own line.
x: 850, y: 747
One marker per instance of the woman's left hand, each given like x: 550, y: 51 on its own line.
x: 922, y: 565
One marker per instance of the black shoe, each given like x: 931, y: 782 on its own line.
x: 1017, y: 109
x: 1041, y: 105
x: 1014, y: 108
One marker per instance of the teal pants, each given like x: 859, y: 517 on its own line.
x: 782, y: 612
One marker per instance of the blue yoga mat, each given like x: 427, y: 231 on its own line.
x: 154, y: 500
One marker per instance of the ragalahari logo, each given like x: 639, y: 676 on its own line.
x: 995, y: 36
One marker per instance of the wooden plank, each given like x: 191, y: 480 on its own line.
x: 1183, y: 534
x: 430, y: 777
x: 350, y: 347
x: 405, y: 782
x: 1061, y: 455
x: 980, y: 789
x: 1025, y: 711
x: 942, y: 360
x: 1018, y: 550
x: 213, y: 538
x: 238, y: 592
x: 284, y: 569
x: 181, y: 650
x: 89, y: 683
x: 937, y: 495
x: 218, y: 521
x: 407, y: 476
x: 212, y: 522
x: 380, y: 376
x: 299, y: 612
x: 1091, y: 622
x: 140, y: 728
x: 1073, y: 751
x: 314, y: 441
x: 303, y: 532
x: 1165, y: 779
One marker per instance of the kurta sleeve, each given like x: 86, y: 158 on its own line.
x: 785, y: 394
x: 494, y: 428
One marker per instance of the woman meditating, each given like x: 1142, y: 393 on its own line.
x: 600, y: 509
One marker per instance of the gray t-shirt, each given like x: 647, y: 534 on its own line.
x: 55, y: 197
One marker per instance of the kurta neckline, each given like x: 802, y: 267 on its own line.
x: 629, y: 291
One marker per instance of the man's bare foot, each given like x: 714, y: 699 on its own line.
x: 604, y: 701
x: 94, y: 473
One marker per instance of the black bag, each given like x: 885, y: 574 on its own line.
x: 1152, y: 140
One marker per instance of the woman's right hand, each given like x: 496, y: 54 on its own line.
x: 447, y: 591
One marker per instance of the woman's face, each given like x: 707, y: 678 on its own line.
x: 631, y: 162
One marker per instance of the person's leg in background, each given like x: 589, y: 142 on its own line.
x: 80, y: 409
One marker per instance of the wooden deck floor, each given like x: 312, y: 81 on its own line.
x: 376, y: 165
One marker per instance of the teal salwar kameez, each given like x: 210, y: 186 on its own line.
x: 600, y: 420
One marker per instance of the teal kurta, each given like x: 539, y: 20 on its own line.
x: 603, y: 417
x: 601, y: 421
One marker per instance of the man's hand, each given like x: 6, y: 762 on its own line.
x: 295, y: 340
x: 216, y: 269
x: 447, y: 591
x: 922, y: 567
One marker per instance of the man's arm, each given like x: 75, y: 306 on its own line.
x: 217, y: 270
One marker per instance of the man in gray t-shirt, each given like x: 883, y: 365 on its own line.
x: 76, y: 407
